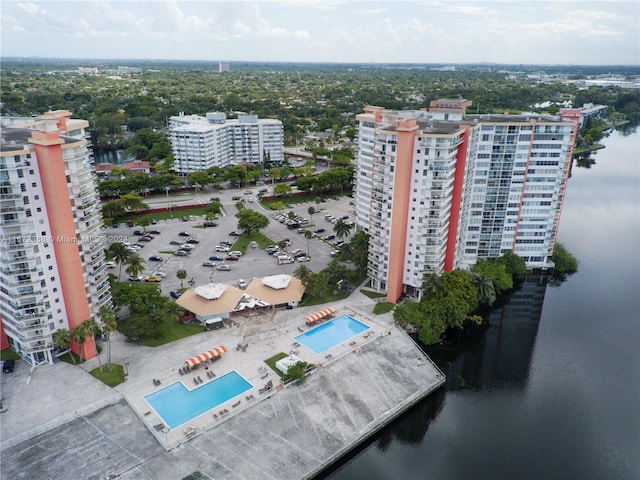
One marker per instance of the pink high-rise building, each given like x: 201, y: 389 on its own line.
x: 52, y: 268
x: 436, y: 190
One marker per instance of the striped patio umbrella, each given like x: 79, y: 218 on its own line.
x: 198, y: 359
x: 318, y: 315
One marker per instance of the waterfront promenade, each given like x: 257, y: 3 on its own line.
x: 288, y: 434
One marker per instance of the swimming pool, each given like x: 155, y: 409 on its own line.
x: 177, y: 405
x: 331, y: 333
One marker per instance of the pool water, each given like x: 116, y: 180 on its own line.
x: 331, y: 333
x: 177, y: 405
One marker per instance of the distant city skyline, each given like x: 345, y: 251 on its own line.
x: 507, y: 32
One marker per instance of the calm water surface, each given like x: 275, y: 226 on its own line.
x: 551, y: 388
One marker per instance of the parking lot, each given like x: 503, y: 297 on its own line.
x: 255, y: 263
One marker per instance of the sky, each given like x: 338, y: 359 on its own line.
x: 512, y: 32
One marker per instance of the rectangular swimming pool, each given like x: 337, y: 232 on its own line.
x: 331, y: 333
x: 177, y: 405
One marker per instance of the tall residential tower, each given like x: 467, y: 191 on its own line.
x: 439, y: 189
x: 52, y: 269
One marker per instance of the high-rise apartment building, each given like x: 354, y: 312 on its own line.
x: 52, y: 269
x: 200, y: 142
x: 439, y: 189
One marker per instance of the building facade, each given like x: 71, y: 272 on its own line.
x: 200, y: 142
x: 53, y: 273
x: 437, y: 190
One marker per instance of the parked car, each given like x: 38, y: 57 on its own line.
x: 139, y: 278
x: 144, y: 239
x: 154, y: 278
x: 235, y: 253
x: 193, y: 240
x: 232, y: 258
x: 115, y: 225
x: 110, y: 264
x: 224, y: 267
x: 250, y: 199
x: 222, y: 248
x: 225, y: 242
x: 333, y: 253
x: 8, y: 365
x: 242, y: 284
x: 236, y: 198
x: 208, y: 263
x: 175, y: 242
x: 235, y: 233
x: 175, y: 294
x: 154, y: 232
x: 253, y: 244
x: 186, y: 247
x: 155, y: 258
x: 185, y: 218
x: 184, y: 234
x: 344, y: 217
x: 248, y: 192
x: 181, y: 253
x: 302, y: 259
x: 320, y: 230
x: 330, y: 237
x: 138, y: 232
x: 160, y: 274
x: 263, y: 190
x: 300, y: 254
x: 216, y: 258
x: 209, y: 224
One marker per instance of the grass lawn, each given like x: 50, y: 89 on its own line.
x: 272, y: 361
x: 109, y: 378
x: 8, y: 354
x: 384, y: 307
x: 372, y: 294
x: 67, y: 357
x: 145, y: 218
x: 169, y: 334
x: 242, y: 243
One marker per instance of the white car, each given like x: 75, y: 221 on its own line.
x: 224, y: 267
x: 111, y: 264
x: 242, y: 284
x: 235, y: 253
x: 208, y: 263
x: 222, y: 248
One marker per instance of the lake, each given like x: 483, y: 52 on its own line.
x: 550, y: 389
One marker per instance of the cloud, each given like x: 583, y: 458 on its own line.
x: 369, y: 11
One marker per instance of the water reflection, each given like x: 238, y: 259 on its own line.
x: 501, y: 354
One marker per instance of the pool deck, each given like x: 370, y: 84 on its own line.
x: 279, y: 433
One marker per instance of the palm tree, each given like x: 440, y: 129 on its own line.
x: 181, y: 274
x: 486, y: 289
x: 341, y: 229
x: 308, y: 234
x: 118, y: 253
x: 109, y: 325
x: 345, y: 253
x: 172, y: 312
x: 61, y: 339
x: 135, y: 265
x: 303, y: 273
x: 78, y: 336
x: 92, y: 329
x: 311, y: 211
x: 432, y: 286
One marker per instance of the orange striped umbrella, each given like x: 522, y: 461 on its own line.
x: 198, y: 359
